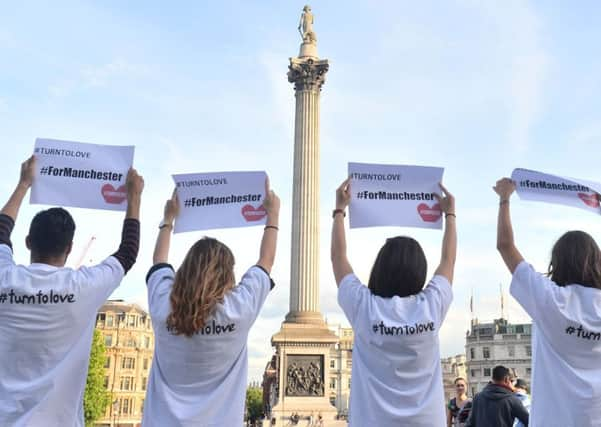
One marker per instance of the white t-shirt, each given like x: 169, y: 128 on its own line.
x: 566, y: 349
x: 200, y: 381
x: 397, y: 378
x: 47, y: 318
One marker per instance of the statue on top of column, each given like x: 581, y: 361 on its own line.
x: 305, y: 26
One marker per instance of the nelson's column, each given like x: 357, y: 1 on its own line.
x: 303, y: 343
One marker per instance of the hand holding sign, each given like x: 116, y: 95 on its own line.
x: 171, y: 210
x: 271, y: 203
x: 446, y: 202
x: 343, y: 194
x: 504, y: 188
x: 27, y: 172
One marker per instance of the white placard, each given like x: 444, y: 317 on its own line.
x: 383, y: 195
x: 81, y: 175
x: 542, y: 187
x: 220, y: 200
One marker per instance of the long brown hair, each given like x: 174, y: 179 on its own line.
x: 576, y: 259
x: 201, y: 282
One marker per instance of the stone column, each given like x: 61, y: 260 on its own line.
x: 307, y: 73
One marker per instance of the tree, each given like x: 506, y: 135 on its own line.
x: 254, y: 403
x: 96, y: 397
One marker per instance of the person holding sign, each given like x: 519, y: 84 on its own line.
x: 48, y: 311
x: 565, y: 306
x: 201, y: 321
x: 397, y: 378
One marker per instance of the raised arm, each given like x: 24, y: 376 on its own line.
x: 130, y: 234
x: 340, y: 263
x: 11, y: 208
x: 271, y: 203
x: 448, y: 255
x: 505, y: 243
x: 161, y: 248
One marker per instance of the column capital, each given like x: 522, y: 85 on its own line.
x: 307, y: 73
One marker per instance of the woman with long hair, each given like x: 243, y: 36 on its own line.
x: 397, y: 378
x: 201, y: 320
x: 565, y: 307
x: 458, y: 408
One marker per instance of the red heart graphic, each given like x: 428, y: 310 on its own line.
x: 429, y: 214
x: 113, y: 195
x: 591, y: 200
x: 250, y: 213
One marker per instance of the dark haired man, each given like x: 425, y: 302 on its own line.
x: 47, y: 311
x: 496, y: 405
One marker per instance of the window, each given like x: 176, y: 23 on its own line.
x: 472, y: 353
x: 349, y: 383
x: 131, y: 320
x: 100, y: 318
x: 511, y: 350
x: 107, y: 362
x: 127, y: 383
x: 528, y: 371
x: 106, y: 382
x: 487, y: 372
x: 349, y: 363
x: 528, y: 350
x: 124, y: 406
x: 144, y: 379
x: 130, y: 342
x: 332, y: 383
x: 519, y: 329
x: 473, y: 372
x: 145, y: 364
x: 108, y: 340
x: 473, y: 391
x: 333, y: 400
x: 128, y: 363
x: 109, y: 320
x: 147, y: 342
x: 332, y: 363
x: 486, y: 352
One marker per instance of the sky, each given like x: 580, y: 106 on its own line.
x: 478, y: 88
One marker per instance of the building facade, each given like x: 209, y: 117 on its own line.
x: 497, y: 343
x: 452, y: 367
x: 341, y: 364
x: 129, y: 341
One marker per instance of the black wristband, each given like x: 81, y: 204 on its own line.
x: 338, y: 211
x: 272, y: 226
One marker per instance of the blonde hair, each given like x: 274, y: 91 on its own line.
x: 201, y: 282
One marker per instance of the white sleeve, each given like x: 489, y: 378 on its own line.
x: 250, y: 295
x: 351, y: 295
x: 6, y: 256
x: 159, y: 280
x: 439, y: 295
x: 99, y: 281
x: 531, y: 289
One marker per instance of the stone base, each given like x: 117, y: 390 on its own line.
x: 308, y: 50
x: 310, y: 340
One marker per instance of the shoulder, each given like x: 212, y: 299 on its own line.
x: 159, y: 272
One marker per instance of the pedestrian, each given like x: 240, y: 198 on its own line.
x: 397, y: 378
x: 565, y: 307
x: 458, y: 408
x: 49, y: 311
x: 496, y: 405
x: 201, y: 321
x: 520, y: 388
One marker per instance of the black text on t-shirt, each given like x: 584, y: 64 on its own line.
x: 583, y: 333
x: 417, y: 328
x: 40, y: 297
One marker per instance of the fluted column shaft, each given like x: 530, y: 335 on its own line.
x: 308, y: 75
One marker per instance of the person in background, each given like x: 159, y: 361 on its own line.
x: 397, y: 378
x: 520, y: 388
x: 496, y: 405
x: 458, y: 408
x: 565, y: 307
x: 48, y: 311
x: 201, y: 321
